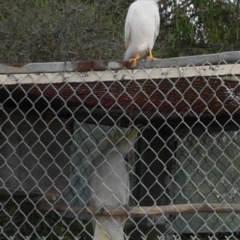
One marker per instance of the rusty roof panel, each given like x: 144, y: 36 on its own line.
x: 102, y: 65
x: 83, y: 66
x: 197, y: 97
x: 130, y: 65
x: 105, y: 65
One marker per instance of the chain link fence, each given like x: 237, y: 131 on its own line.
x: 141, y: 153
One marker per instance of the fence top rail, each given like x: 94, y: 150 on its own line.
x: 102, y: 65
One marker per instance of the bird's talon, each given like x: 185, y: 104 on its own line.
x: 134, y: 61
x: 151, y: 58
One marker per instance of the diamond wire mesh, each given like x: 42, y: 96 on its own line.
x: 68, y: 146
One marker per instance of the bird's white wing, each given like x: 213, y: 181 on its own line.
x: 157, y: 22
x: 128, y: 25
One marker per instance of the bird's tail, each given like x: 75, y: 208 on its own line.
x: 128, y: 54
x: 100, y: 234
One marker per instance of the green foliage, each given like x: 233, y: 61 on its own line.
x: 61, y: 30
x: 51, y: 225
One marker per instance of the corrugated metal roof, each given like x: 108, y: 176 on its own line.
x: 166, y: 87
x: 198, y: 97
x: 101, y: 65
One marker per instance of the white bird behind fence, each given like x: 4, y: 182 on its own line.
x: 141, y: 29
x: 109, y: 186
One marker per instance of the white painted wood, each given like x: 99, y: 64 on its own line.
x: 232, y: 70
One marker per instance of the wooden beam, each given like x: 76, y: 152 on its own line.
x: 145, y: 211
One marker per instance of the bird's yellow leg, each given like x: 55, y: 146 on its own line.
x: 150, y: 56
x: 135, y: 59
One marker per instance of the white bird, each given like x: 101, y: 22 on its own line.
x: 141, y: 29
x: 109, y: 186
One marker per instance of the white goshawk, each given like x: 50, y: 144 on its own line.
x: 141, y: 29
x: 109, y: 185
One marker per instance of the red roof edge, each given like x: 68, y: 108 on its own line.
x: 102, y: 65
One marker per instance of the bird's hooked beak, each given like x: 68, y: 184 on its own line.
x: 131, y: 133
x: 124, y: 141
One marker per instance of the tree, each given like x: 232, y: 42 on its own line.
x: 60, y: 30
